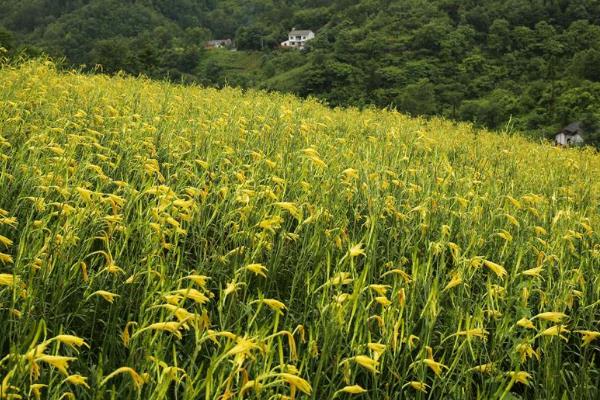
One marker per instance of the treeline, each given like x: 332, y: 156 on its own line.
x: 532, y: 65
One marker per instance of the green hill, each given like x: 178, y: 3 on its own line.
x: 526, y: 65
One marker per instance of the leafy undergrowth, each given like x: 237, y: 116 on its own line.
x: 159, y: 241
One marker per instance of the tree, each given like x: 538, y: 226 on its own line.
x: 499, y: 38
x: 113, y: 54
x: 418, y: 98
x: 586, y: 65
x: 7, y: 39
x: 250, y: 38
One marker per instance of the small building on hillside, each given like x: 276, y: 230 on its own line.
x: 297, y: 38
x: 219, y: 44
x: 570, y: 135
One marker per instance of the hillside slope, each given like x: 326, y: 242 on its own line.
x: 526, y: 65
x: 212, y: 244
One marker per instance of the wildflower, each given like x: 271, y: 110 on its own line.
x: 180, y: 313
x: 504, y: 235
x: 125, y: 337
x: 526, y: 351
x: 492, y: 313
x: 354, y: 389
x: 275, y: 305
x: 551, y: 316
x: 244, y: 346
x: 317, y: 161
x: 297, y: 382
x: 271, y: 224
x: 520, y: 376
x: 435, y: 366
x: 483, y: 368
x: 257, y: 269
x: 202, y: 163
x: 341, y: 298
x: 350, y: 173
x: 85, y: 194
x: 108, y: 296
x: 230, y: 288
x: 514, y: 201
x: 291, y: 208
x: 455, y: 281
x: 77, y: 380
x: 6, y: 242
x: 384, y: 301
x: 411, y: 341
x: 61, y: 363
x: 455, y: 250
x: 495, y: 268
x: 10, y: 221
x: 36, y: 389
x: 137, y: 379
x: 84, y: 271
x: 377, y: 348
x: 172, y: 298
x: 6, y: 259
x: 113, y: 268
x: 368, y: 363
x: 512, y: 220
x: 193, y: 294
x: 555, y: 330
x: 380, y: 289
x: 476, y: 332
x: 342, y: 278
x: 588, y: 336
x: 171, y: 327
x: 418, y: 386
x: 7, y: 279
x: 71, y: 340
x: 183, y: 204
x: 533, y: 272
x: 356, y: 250
x: 199, y: 280
x: 525, y: 323
x: 253, y: 384
x: 401, y: 294
x: 397, y: 271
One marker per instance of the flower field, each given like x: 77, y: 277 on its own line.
x: 161, y: 241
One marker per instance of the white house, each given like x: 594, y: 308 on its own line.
x: 219, y: 44
x: 297, y: 38
x: 571, y: 135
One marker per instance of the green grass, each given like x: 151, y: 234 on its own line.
x: 234, y: 67
x: 287, y: 81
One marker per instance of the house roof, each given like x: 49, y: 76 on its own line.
x: 573, y: 128
x: 300, y: 32
x: 219, y: 41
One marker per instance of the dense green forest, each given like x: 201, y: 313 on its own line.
x: 531, y: 65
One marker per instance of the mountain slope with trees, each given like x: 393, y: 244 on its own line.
x: 532, y: 65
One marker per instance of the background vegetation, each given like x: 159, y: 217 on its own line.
x: 532, y: 65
